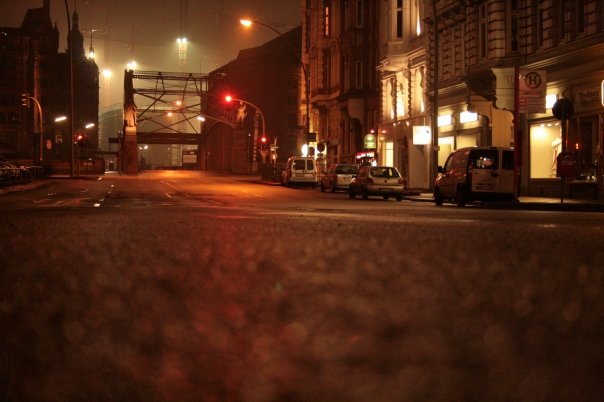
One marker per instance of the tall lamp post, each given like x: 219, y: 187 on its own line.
x: 249, y: 23
x: 70, y: 49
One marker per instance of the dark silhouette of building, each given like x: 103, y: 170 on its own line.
x: 30, y: 63
x: 269, y: 77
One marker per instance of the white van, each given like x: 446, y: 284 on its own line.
x: 299, y: 170
x: 476, y: 174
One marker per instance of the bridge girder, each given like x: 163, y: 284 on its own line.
x: 165, y: 106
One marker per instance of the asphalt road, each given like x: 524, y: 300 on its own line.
x: 195, y: 287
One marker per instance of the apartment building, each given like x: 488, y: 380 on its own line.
x: 340, y: 48
x: 486, y: 49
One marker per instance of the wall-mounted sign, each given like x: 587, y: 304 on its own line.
x: 532, y: 87
x: 422, y: 135
x: 369, y: 142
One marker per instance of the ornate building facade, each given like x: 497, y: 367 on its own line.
x: 486, y: 49
x: 340, y: 47
x: 375, y: 66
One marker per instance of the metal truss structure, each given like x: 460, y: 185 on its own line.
x: 170, y: 106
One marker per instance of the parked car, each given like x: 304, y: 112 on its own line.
x: 476, y: 174
x: 338, y: 177
x: 299, y: 170
x: 383, y: 181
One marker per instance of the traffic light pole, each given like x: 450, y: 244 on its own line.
x: 24, y: 100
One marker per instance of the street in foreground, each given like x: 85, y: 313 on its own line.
x: 196, y: 289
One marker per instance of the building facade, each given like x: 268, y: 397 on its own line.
x: 340, y: 48
x: 31, y: 64
x: 486, y: 49
x: 374, y: 66
x: 265, y: 83
x: 403, y: 90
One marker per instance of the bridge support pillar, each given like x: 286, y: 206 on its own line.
x: 130, y: 163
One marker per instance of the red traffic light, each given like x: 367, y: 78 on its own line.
x: 263, y: 139
x: 228, y: 98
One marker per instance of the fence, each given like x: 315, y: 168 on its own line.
x: 12, y: 176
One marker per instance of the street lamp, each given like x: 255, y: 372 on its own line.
x: 248, y: 23
x: 70, y: 47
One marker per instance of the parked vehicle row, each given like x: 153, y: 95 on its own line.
x: 469, y: 174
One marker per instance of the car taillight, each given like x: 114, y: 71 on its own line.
x: 401, y: 181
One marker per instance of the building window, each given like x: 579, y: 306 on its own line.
x: 399, y: 19
x: 562, y: 19
x: 326, y: 17
x: 326, y: 70
x: 359, y: 75
x: 359, y: 12
x: 580, y: 11
x: 483, y: 34
x: 540, y: 27
x: 545, y: 145
x: 512, y: 26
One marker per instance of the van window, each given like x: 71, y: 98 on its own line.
x: 507, y: 160
x: 485, y: 159
x: 298, y: 164
x: 310, y: 164
x: 460, y: 159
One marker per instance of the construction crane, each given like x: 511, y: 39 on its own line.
x: 182, y: 39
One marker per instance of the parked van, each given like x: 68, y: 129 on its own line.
x: 299, y: 170
x: 476, y: 174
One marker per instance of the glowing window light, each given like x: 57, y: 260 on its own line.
x: 467, y: 117
x: 550, y: 100
x: 444, y: 120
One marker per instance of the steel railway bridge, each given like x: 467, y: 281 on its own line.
x: 164, y: 108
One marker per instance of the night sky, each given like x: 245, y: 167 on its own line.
x: 146, y: 31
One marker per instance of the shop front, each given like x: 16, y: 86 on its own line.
x: 583, y: 139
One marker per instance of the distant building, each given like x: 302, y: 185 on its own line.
x: 31, y: 64
x: 269, y: 77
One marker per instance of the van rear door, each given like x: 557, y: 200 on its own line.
x: 506, y: 177
x: 484, y: 168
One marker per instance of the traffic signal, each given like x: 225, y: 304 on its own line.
x: 25, y: 99
x: 80, y: 139
x: 263, y: 142
x: 228, y: 98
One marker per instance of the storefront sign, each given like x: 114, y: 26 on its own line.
x: 365, y: 154
x: 422, y: 135
x: 369, y: 142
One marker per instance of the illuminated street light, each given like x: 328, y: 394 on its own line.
x: 132, y: 65
x: 59, y: 119
x: 248, y: 23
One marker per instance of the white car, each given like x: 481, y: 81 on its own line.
x: 384, y: 181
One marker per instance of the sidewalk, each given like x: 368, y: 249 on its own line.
x: 529, y: 203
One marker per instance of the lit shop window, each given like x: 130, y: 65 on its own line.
x: 546, y: 144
